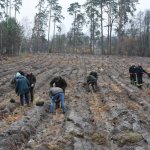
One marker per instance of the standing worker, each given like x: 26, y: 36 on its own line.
x: 22, y: 89
x: 132, y: 71
x: 32, y: 80
x: 139, y: 73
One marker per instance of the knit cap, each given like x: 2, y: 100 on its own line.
x: 17, y: 74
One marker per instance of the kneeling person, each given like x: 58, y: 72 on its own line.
x: 55, y: 94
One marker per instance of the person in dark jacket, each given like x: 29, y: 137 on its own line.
x: 59, y: 82
x: 56, y: 94
x: 92, y: 80
x: 139, y: 73
x: 94, y: 73
x: 22, y: 88
x: 32, y: 79
x: 22, y: 72
x: 132, y: 71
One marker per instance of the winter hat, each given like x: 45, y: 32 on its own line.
x: 17, y: 74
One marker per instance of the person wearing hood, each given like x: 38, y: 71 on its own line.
x: 22, y: 88
x: 13, y: 80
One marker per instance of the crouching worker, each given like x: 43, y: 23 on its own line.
x: 22, y: 89
x: 56, y: 94
x: 92, y: 80
x: 60, y: 82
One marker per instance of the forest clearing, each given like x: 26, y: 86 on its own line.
x: 116, y: 117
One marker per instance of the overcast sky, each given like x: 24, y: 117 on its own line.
x: 28, y: 10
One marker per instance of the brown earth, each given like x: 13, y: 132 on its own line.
x: 116, y: 117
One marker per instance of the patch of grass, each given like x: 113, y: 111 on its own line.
x: 53, y: 147
x: 133, y: 106
x: 77, y: 134
x: 99, y: 138
x: 48, y: 146
x: 128, y: 138
x: 13, y: 118
x: 104, y: 108
x: 115, y: 88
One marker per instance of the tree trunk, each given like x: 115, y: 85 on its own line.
x: 49, y: 25
x: 7, y: 10
x: 91, y: 30
x: 53, y: 40
x: 91, y: 36
x: 102, y: 36
x: 10, y: 9
x: 1, y: 40
x: 20, y: 46
x: 110, y: 51
x: 74, y: 34
x: 15, y: 12
x: 120, y: 28
x: 108, y: 35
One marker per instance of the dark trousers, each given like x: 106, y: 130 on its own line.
x: 133, y: 79
x: 26, y: 97
x: 32, y: 94
x: 93, y: 84
x: 139, y: 81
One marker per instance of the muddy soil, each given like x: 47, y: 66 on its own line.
x: 116, y: 117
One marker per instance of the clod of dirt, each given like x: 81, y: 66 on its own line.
x: 12, y: 100
x: 39, y: 103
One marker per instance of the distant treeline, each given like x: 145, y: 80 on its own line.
x: 112, y: 27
